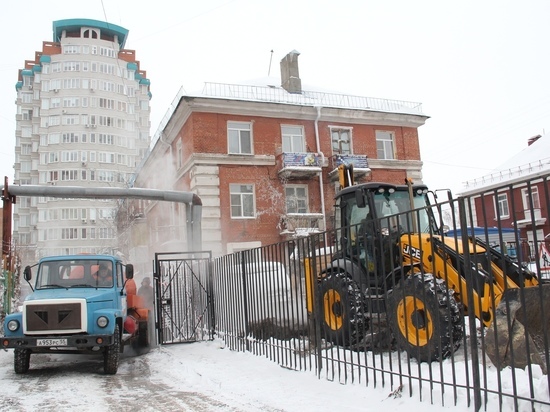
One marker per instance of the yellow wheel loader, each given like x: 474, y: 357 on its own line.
x: 396, y: 279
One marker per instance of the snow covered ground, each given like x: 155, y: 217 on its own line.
x: 203, y: 376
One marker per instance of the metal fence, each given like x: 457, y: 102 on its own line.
x: 448, y: 319
x: 183, y: 311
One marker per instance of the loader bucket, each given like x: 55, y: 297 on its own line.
x: 520, y: 332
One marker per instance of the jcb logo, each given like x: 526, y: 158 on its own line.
x: 411, y: 251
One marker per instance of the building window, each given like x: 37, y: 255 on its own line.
x: 69, y: 214
x: 242, y: 201
x: 26, y: 114
x: 25, y: 166
x: 296, y: 199
x: 501, y: 206
x: 70, y: 49
x: 26, y: 149
x: 530, y: 202
x: 106, y: 233
x: 179, y: 154
x: 293, y: 139
x: 69, y: 233
x: 385, y: 145
x: 239, y: 137
x: 341, y: 141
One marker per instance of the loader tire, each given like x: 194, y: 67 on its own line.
x: 425, y: 318
x: 343, y: 321
x: 21, y: 360
x: 111, y: 356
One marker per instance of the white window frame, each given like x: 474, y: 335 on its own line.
x: 301, y: 203
x: 240, y: 200
x: 293, y: 140
x: 179, y: 154
x: 535, y: 198
x: 340, y: 146
x: 385, y: 145
x: 236, y: 136
x: 502, y: 209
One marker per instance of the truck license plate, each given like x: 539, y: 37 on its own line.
x: 51, y: 342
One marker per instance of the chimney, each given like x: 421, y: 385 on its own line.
x: 290, y: 78
x: 533, y: 139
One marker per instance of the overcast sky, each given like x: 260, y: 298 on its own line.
x: 480, y: 68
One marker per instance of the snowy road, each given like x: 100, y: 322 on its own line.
x: 203, y: 376
x: 74, y: 382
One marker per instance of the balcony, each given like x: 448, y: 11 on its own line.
x: 301, y: 224
x: 530, y: 215
x: 299, y: 165
x: 359, y: 162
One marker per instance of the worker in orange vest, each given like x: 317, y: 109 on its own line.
x: 131, y: 288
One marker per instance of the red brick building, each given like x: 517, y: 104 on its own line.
x: 263, y: 159
x: 515, y: 195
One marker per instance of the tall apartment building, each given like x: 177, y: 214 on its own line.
x: 264, y: 158
x: 82, y: 120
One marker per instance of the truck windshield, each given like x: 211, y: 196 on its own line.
x: 75, y: 273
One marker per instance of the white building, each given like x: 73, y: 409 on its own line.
x: 82, y: 120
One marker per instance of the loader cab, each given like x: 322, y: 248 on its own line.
x: 387, y: 207
x: 371, y: 217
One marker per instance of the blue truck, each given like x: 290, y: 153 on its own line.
x: 79, y: 304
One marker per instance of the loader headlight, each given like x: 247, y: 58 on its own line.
x: 102, y: 321
x: 13, y: 325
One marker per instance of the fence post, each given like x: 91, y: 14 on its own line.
x: 470, y: 295
x: 245, y: 297
x: 210, y: 299
x: 314, y: 316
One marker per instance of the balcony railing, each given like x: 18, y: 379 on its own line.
x: 360, y: 165
x: 302, y: 224
x: 299, y: 165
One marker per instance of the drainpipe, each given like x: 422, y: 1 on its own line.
x: 321, y: 188
x: 166, y: 143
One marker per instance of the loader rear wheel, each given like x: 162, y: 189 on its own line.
x: 425, y: 318
x: 21, y: 360
x: 343, y: 319
x: 111, y: 355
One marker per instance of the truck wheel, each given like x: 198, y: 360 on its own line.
x: 343, y: 319
x: 111, y: 355
x: 21, y: 360
x: 425, y: 318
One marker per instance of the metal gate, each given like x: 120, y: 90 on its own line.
x: 184, y: 312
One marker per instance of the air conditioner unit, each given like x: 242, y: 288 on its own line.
x: 86, y: 126
x: 94, y: 126
x: 84, y: 221
x: 92, y: 89
x: 63, y: 111
x: 55, y: 90
x: 30, y: 86
x: 92, y: 220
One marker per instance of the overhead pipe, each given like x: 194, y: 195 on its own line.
x: 193, y: 201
